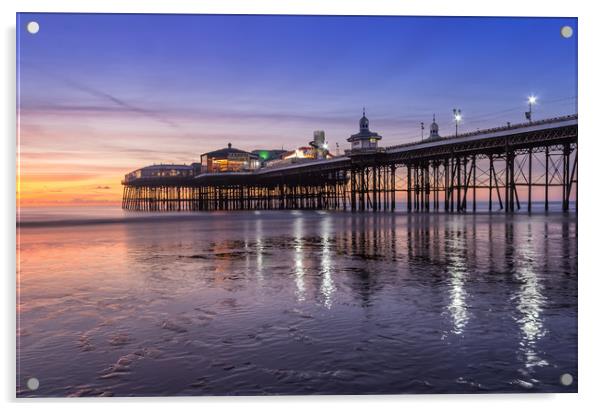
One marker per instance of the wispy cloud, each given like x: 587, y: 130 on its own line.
x: 117, y: 103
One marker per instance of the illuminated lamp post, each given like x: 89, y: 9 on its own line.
x: 457, y: 118
x: 529, y: 114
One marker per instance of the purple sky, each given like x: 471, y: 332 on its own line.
x: 104, y: 94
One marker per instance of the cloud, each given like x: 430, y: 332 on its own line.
x: 229, y: 115
x: 55, y: 177
x: 106, y: 96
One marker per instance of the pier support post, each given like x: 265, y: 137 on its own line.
x: 374, y: 189
x: 530, y: 182
x: 459, y: 183
x: 392, y: 187
x: 452, y: 183
x: 446, y: 185
x: 547, y: 181
x: 512, y: 187
x: 491, y: 171
x: 474, y: 183
x: 409, y: 187
x: 566, y: 153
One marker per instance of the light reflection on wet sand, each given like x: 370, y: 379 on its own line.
x: 299, y: 303
x: 456, y: 251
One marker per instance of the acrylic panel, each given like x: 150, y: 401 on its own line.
x: 271, y: 204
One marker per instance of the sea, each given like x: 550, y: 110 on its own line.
x: 118, y: 303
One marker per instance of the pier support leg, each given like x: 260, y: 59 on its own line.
x: 564, y: 174
x: 353, y: 189
x: 409, y: 188
x: 459, y: 184
x: 547, y: 181
x: 491, y: 171
x: 374, y: 189
x: 530, y: 178
x: 393, y: 187
x: 446, y: 185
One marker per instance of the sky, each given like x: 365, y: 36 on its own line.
x: 100, y: 95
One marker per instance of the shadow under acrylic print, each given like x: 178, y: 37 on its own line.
x: 271, y: 204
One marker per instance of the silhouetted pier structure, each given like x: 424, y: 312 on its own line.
x: 437, y: 174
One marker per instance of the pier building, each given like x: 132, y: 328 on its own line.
x: 365, y: 140
x: 161, y: 170
x: 229, y: 159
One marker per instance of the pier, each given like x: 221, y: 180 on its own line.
x: 506, y: 165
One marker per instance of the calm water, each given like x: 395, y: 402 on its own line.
x: 297, y: 303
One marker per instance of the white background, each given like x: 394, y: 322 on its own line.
x: 590, y: 167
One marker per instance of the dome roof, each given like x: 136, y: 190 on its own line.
x: 434, y: 129
x: 434, y: 126
x: 365, y: 133
x: 364, y: 123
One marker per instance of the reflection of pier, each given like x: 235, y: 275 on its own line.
x: 505, y: 164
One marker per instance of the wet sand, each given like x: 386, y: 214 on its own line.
x: 298, y: 303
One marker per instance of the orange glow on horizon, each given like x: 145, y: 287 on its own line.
x: 45, y: 191
x: 46, y: 185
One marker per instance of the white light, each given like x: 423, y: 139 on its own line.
x: 458, y: 117
x: 33, y: 27
x: 325, y: 146
x: 532, y: 99
x: 33, y: 383
x: 566, y: 32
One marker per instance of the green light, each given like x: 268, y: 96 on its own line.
x: 264, y: 155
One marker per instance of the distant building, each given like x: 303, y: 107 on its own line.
x: 365, y: 139
x: 301, y: 152
x: 229, y: 160
x: 316, y: 150
x: 268, y: 155
x: 161, y: 170
x: 319, y: 145
x: 434, y: 134
x: 319, y: 137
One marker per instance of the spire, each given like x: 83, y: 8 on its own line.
x: 364, y: 121
x: 434, y: 134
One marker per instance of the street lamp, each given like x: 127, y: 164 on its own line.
x: 421, y: 130
x: 457, y: 118
x: 529, y: 114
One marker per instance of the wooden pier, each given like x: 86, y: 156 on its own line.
x: 507, y: 164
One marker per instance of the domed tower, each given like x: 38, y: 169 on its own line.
x: 434, y: 135
x: 364, y: 122
x: 365, y: 139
